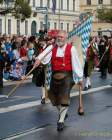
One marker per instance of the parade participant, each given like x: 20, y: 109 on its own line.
x: 66, y: 67
x: 104, y: 56
x: 39, y: 72
x: 92, y: 54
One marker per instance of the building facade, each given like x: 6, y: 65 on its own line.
x: 92, y: 6
x: 64, y: 18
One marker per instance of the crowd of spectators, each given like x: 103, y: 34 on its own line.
x: 19, y: 54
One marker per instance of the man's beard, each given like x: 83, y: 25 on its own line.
x: 60, y: 43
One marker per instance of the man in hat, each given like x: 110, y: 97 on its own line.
x: 66, y: 67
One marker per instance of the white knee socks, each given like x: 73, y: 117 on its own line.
x: 62, y: 112
x: 43, y: 92
x: 87, y: 82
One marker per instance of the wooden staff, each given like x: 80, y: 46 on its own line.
x: 20, y: 82
x: 103, y: 55
x: 81, y: 108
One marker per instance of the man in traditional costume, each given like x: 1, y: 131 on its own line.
x: 104, y: 56
x: 66, y: 67
x: 91, y: 56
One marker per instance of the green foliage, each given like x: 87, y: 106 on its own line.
x: 21, y: 9
x: 1, y: 1
x: 105, y: 15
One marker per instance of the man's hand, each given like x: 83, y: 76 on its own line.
x: 37, y: 63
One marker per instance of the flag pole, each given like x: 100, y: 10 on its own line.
x: 59, y: 16
x: 103, y: 56
x: 81, y: 108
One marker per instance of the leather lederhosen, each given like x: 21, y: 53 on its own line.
x: 61, y: 84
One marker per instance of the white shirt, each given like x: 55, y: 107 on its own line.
x: 77, y: 68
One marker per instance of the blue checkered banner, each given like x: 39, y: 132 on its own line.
x: 83, y: 30
x: 48, y: 72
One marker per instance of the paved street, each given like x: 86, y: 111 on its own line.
x: 22, y: 117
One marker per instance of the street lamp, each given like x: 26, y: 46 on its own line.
x: 44, y: 10
x: 46, y: 19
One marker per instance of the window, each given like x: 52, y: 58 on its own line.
x: 9, y: 26
x: 61, y: 26
x: 0, y: 26
x: 67, y: 27
x: 73, y: 5
x: 41, y: 3
x: 88, y: 2
x: 33, y: 3
x: 67, y: 5
x: 55, y: 25
x: 48, y: 3
x: 61, y: 4
x: 74, y: 25
x: 18, y: 27
x: 26, y: 27
x: 100, y: 1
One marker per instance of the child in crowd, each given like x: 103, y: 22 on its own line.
x: 17, y: 73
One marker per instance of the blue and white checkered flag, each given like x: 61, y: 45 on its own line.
x: 83, y: 30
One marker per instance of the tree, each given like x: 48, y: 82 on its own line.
x: 105, y: 14
x: 21, y: 9
x: 1, y: 1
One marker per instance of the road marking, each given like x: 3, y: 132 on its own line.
x: 20, y: 106
x: 24, y: 133
x: 3, y: 96
x: 38, y: 102
x: 91, y: 90
x: 16, y: 98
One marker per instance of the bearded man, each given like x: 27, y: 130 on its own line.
x: 66, y: 67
